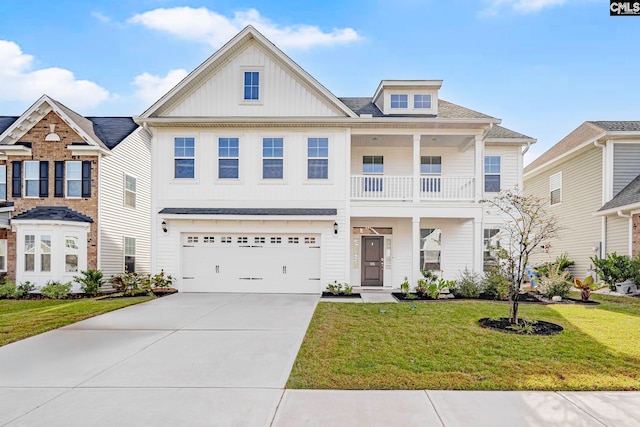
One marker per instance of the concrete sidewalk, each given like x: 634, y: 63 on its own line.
x: 223, y: 360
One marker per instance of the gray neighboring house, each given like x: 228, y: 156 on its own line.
x: 590, y: 179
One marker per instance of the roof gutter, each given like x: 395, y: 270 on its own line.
x: 526, y: 148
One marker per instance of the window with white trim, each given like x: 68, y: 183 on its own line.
x: 421, y: 101
x: 45, y: 252
x: 3, y: 255
x: 491, y: 174
x: 430, y: 248
x: 71, y: 253
x: 129, y: 191
x: 318, y: 158
x: 251, y: 85
x: 228, y: 158
x: 491, y: 245
x: 184, y: 153
x: 372, y: 165
x: 272, y: 158
x: 555, y: 188
x: 3, y: 183
x: 29, y: 252
x: 32, y: 179
x: 399, y: 100
x: 430, y: 169
x: 73, y: 175
x: 129, y: 254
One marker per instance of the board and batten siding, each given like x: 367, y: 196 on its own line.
x: 626, y: 165
x: 581, y: 231
x: 282, y: 93
x: 618, y: 235
x: 117, y: 221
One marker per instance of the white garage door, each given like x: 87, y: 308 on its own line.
x: 251, y: 263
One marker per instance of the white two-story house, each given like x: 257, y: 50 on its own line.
x: 264, y: 181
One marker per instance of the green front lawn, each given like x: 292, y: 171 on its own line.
x: 439, y: 345
x: 20, y: 319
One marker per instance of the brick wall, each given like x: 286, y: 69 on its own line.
x: 635, y: 235
x: 52, y: 151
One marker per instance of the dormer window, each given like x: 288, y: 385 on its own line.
x: 399, y: 101
x: 421, y: 101
x: 251, y: 85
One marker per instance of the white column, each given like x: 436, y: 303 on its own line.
x: 415, y: 251
x: 478, y: 245
x: 479, y: 167
x: 416, y: 168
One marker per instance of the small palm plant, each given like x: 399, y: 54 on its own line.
x: 584, y: 286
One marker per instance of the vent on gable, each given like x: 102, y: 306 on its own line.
x: 52, y: 136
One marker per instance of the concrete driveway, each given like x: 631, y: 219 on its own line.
x: 186, y: 359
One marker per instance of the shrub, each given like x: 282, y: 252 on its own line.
x: 495, y: 284
x: 468, y: 284
x: 555, y: 283
x: 434, y: 289
x: 404, y: 287
x: 615, y: 268
x: 25, y: 288
x: 129, y: 283
x: 585, y: 287
x: 348, y: 289
x: 334, y: 288
x: 562, y: 261
x: 56, y: 290
x: 8, y: 290
x: 90, y: 281
x: 161, y: 280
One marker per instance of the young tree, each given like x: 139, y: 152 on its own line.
x: 526, y: 226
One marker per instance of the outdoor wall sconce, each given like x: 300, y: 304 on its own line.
x: 164, y: 226
x: 335, y: 228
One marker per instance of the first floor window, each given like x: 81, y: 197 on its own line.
x: 492, y: 174
x: 430, y: 248
x: 32, y: 179
x: 228, y: 158
x: 71, y: 252
x: 3, y: 182
x: 3, y: 255
x: 272, y: 158
x: 184, y: 152
x: 74, y: 179
x: 318, y: 158
x: 45, y: 252
x: 129, y: 254
x: 129, y: 191
x: 555, y: 188
x: 491, y: 245
x: 30, y: 252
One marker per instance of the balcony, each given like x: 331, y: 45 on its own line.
x: 372, y: 187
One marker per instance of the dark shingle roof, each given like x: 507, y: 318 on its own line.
x: 499, y: 132
x: 112, y: 130
x: 627, y: 196
x: 6, y: 121
x: 247, y: 211
x: 446, y: 110
x: 53, y: 213
x: 618, y: 126
x: 362, y: 106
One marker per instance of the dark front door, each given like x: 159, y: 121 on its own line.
x: 372, y: 260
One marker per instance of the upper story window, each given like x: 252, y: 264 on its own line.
x: 430, y: 165
x: 3, y: 184
x: 272, y: 158
x: 555, y: 188
x: 372, y: 164
x: 399, y: 101
x: 421, y: 101
x: 32, y: 179
x: 184, y: 154
x: 318, y: 158
x: 129, y: 191
x: 251, y: 85
x: 74, y: 179
x: 491, y: 174
x: 228, y: 158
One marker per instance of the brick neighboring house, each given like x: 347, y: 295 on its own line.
x: 75, y: 194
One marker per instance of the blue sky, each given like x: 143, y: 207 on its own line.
x: 543, y: 66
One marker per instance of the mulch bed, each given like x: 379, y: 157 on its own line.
x: 330, y: 295
x: 523, y: 298
x: 538, y: 327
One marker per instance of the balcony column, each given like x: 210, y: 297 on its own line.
x: 416, y: 168
x: 479, y: 168
x: 415, y: 251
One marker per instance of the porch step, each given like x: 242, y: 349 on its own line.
x: 370, y: 290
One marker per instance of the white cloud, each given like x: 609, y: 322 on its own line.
x: 206, y: 26
x: 522, y: 6
x: 150, y: 88
x: 21, y: 83
x: 101, y: 17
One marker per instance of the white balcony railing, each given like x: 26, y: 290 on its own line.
x: 381, y: 187
x: 367, y: 187
x: 447, y: 188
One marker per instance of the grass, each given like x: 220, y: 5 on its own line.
x: 441, y: 346
x: 21, y: 319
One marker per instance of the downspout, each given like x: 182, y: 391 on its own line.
x: 145, y: 126
x: 630, y: 233
x: 603, y: 220
x: 526, y: 148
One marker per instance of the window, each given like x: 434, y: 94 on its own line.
x: 421, y: 101
x: 226, y: 239
x: 242, y: 240
x: 492, y: 174
x: 129, y: 191
x: 192, y: 239
x: 293, y: 240
x: 430, y: 244
x: 129, y: 255
x: 276, y: 240
x: 228, y: 158
x: 3, y: 255
x: 71, y: 252
x: 318, y: 158
x: 272, y: 158
x: 251, y: 85
x: 31, y: 179
x: 3, y: 184
x: 74, y: 179
x: 209, y: 239
x: 372, y: 165
x: 555, y: 188
x: 29, y: 252
x: 491, y: 243
x: 430, y: 165
x: 184, y: 153
x: 399, y: 101
x: 259, y: 239
x: 45, y: 253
